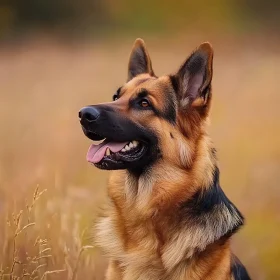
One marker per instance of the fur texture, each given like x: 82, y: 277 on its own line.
x: 170, y: 218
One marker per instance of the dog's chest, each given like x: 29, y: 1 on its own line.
x: 119, y: 240
x: 136, y: 249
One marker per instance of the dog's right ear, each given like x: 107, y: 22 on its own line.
x: 139, y: 61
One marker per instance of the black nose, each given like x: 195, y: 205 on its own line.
x: 88, y: 114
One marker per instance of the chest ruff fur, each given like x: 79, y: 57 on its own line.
x: 186, y: 240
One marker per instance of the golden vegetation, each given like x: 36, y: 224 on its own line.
x: 28, y: 253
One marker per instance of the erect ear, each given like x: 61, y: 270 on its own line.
x: 139, y: 61
x: 194, y: 77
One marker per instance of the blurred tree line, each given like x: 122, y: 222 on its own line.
x: 28, y: 14
x: 126, y: 15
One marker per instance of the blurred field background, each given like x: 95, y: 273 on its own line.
x: 57, y: 56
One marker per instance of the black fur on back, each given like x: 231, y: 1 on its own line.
x: 238, y: 270
x: 211, y: 203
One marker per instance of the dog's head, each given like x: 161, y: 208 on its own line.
x: 151, y: 118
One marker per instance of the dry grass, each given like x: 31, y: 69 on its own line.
x: 35, y: 248
x: 15, y: 265
x: 43, y: 85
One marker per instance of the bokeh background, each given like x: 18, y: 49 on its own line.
x: 58, y: 55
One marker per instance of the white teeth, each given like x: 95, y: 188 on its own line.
x: 108, y: 152
x: 130, y: 146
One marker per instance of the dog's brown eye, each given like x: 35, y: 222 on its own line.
x: 144, y: 103
x: 115, y: 97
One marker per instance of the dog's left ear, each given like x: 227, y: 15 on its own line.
x: 139, y: 61
x: 194, y: 78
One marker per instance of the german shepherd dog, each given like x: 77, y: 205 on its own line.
x: 168, y: 217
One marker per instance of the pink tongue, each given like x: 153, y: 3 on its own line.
x: 97, y: 152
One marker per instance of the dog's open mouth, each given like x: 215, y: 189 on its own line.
x: 124, y: 144
x: 110, y: 154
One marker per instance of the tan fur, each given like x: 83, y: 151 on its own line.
x: 141, y: 233
x: 133, y: 235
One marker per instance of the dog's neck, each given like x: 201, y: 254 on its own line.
x: 207, y: 204
x: 209, y: 217
x: 165, y: 184
x: 171, y: 196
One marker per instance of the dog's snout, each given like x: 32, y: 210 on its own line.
x: 89, y: 114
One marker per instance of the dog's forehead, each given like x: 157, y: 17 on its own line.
x: 155, y: 86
